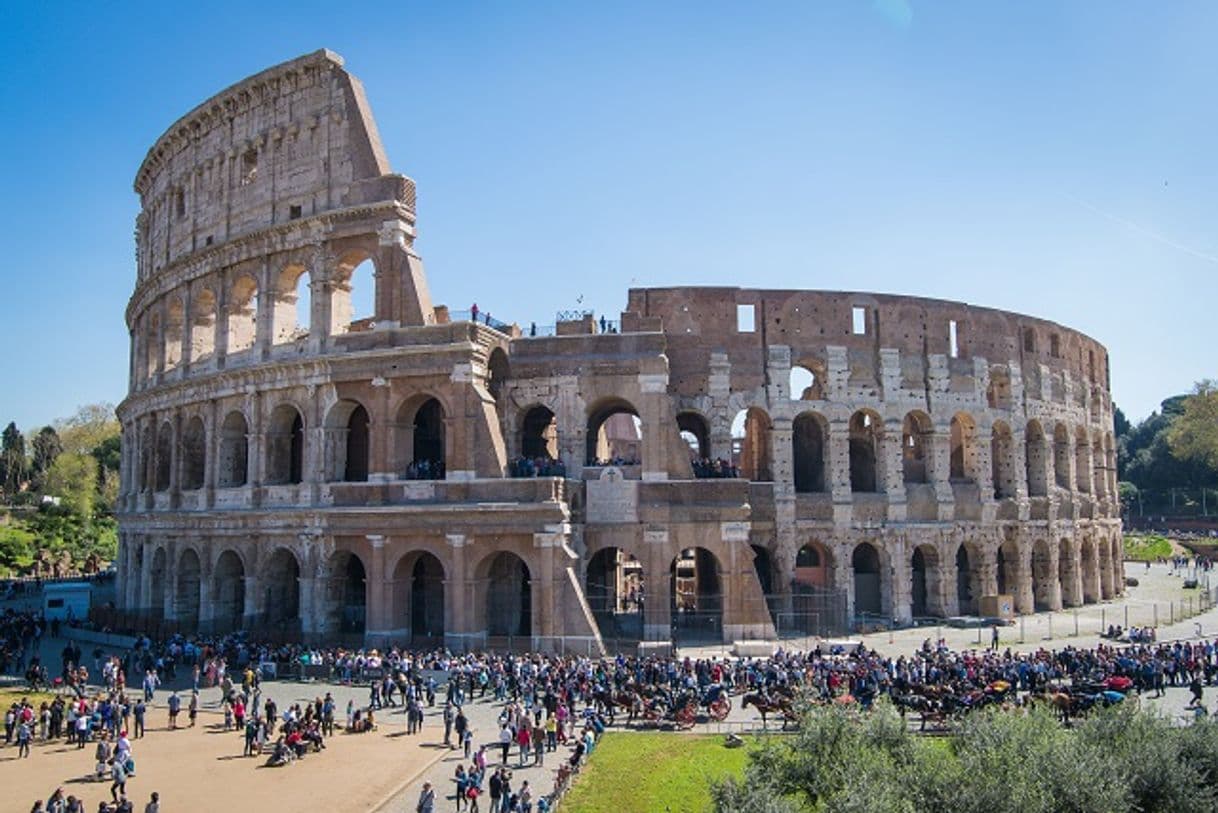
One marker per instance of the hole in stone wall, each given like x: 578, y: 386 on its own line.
x: 858, y: 321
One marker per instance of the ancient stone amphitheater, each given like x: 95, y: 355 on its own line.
x: 715, y: 463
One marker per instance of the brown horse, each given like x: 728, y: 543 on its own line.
x: 766, y: 706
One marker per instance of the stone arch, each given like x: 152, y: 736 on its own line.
x: 695, y: 433
x: 194, y: 454
x: 285, y: 442
x: 291, y: 314
x: 1082, y: 462
x: 147, y: 455
x: 916, y: 432
x: 418, y: 597
x: 1009, y: 568
x: 1036, y: 458
x: 228, y: 592
x: 175, y: 332
x: 750, y: 432
x: 164, y: 457
x: 280, y: 578
x: 233, y: 464
x: 616, y: 587
x: 498, y: 372
x: 345, y: 594
x: 696, y: 595
x: 242, y: 314
x: 203, y: 326
x: 615, y: 432
x: 539, y: 433
x: 968, y: 578
x: 152, y: 341
x: 1061, y: 456
x: 1099, y: 464
x: 157, y: 574
x: 1068, y: 572
x: 926, y: 589
x: 814, y: 565
x: 817, y: 605
x: 1002, y: 461
x: 509, y: 595
x: 964, y: 457
x: 869, y: 593
x: 998, y: 392
x: 1046, y: 587
x: 866, y: 433
x: 809, y: 431
x: 1107, y: 583
x: 353, y: 294
x: 1089, y: 565
x: 807, y: 381
x: 348, y: 442
x: 186, y: 590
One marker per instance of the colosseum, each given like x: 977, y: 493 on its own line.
x: 313, y: 448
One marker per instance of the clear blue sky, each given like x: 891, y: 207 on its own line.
x: 1052, y: 158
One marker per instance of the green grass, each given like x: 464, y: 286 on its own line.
x: 1147, y: 548
x: 9, y: 695
x: 653, y: 772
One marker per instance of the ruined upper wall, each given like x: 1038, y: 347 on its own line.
x: 293, y: 141
x: 697, y: 320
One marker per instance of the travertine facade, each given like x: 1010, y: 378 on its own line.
x: 310, y: 473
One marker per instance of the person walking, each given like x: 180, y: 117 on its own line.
x: 24, y: 735
x: 118, y: 772
x: 175, y: 705
x: 427, y: 800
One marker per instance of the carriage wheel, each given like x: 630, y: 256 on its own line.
x: 721, y: 708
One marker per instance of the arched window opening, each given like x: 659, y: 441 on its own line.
x: 865, y: 434
x: 615, y: 435
x: 696, y: 434
x: 1082, y: 463
x: 964, y: 581
x: 358, y: 446
x: 428, y: 443
x: 868, y: 599
x: 509, y: 597
x: 419, y: 598
x: 916, y: 430
x: 242, y: 315
x: 1008, y: 568
x: 280, y: 579
x: 194, y: 454
x: 806, y: 384
x: 346, y: 594
x: 1002, y: 463
x: 203, y: 327
x: 616, y: 590
x: 751, y: 444
x: 285, y: 446
x: 498, y: 372
x: 808, y: 440
x: 696, y: 596
x: 228, y: 602
x: 924, y: 588
x: 538, y: 445
x: 1061, y: 456
x: 233, y: 465
x: 175, y: 331
x: 964, y: 449
x: 1036, y: 459
x: 164, y: 457
x: 353, y: 300
x: 293, y: 305
x: 152, y: 343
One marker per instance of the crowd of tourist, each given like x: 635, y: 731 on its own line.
x: 425, y: 470
x: 537, y: 467
x: 705, y: 468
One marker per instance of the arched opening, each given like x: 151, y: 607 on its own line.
x: 292, y: 313
x: 868, y: 596
x: 1009, y: 567
x: 228, y: 603
x: 538, y: 438
x: 175, y: 332
x: 242, y: 315
x: 616, y: 591
x: 816, y: 607
x: 964, y: 449
x: 418, y: 599
x: 346, y: 594
x: 427, y: 442
x: 194, y: 454
x: 156, y: 584
x: 1061, y: 456
x: 498, y: 372
x: 808, y: 441
x: 186, y: 596
x: 615, y: 435
x: 1082, y: 462
x: 1099, y: 464
x: 865, y: 434
x: 285, y: 446
x: 806, y: 385
x: 280, y: 577
x: 509, y: 597
x: 751, y: 444
x: 998, y: 393
x: 1106, y: 580
x: 1067, y: 573
x: 1044, y: 577
x: 1036, y: 459
x: 695, y: 432
x: 353, y: 297
x: 1002, y: 464
x: 358, y: 446
x: 203, y: 326
x: 926, y: 592
x: 812, y: 565
x: 233, y: 465
x: 964, y: 581
x: 151, y: 346
x: 763, y: 564
x: 164, y: 456
x: 1089, y: 562
x: 147, y: 476
x: 696, y: 596
x: 916, y: 430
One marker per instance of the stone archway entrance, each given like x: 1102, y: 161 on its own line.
x: 696, y: 596
x: 509, y: 598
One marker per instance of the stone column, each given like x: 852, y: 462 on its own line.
x: 782, y: 455
x: 837, y: 477
x: 461, y: 631
x: 250, y: 610
x: 891, y: 469
x: 987, y: 571
x: 949, y: 576
x: 175, y: 459
x: 376, y: 626
x: 900, y: 580
x: 221, y: 352
x: 654, y: 412
x: 657, y: 608
x: 264, y: 319
x: 939, y: 457
x: 188, y: 330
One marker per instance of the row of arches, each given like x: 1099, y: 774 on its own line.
x: 185, y: 327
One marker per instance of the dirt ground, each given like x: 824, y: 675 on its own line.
x: 201, y: 770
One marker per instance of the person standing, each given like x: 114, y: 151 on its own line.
x: 139, y: 711
x: 24, y: 734
x: 449, y: 718
x: 427, y: 800
x: 193, y: 709
x: 154, y: 804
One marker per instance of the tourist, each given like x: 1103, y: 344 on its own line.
x: 154, y: 803
x: 427, y: 800
x: 175, y: 705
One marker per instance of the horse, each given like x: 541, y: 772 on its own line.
x: 766, y: 706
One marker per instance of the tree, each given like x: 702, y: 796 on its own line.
x: 88, y: 428
x: 13, y: 464
x: 1193, y: 435
x: 73, y: 479
x: 46, y: 447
